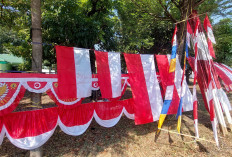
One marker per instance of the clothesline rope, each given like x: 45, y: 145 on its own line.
x: 196, y: 139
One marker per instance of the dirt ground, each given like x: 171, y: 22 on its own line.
x: 127, y: 139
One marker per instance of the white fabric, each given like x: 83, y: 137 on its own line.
x: 128, y: 115
x: 64, y: 102
x: 115, y: 73
x: 30, y: 143
x: 225, y: 98
x: 152, y: 84
x: 107, y: 123
x: 210, y: 35
x: 74, y: 130
x: 178, y: 76
x: 227, y: 67
x: 214, y: 126
x: 229, y: 74
x: 196, y: 128
x: 169, y: 92
x: 28, y: 79
x: 83, y: 72
x: 42, y: 90
x: 95, y: 85
x: 188, y: 39
x: 12, y: 99
x: 224, y: 104
x: 2, y: 134
x: 187, y: 96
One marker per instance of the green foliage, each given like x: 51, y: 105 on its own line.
x: 144, y: 26
x: 223, y: 35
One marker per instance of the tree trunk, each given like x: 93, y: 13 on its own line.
x: 36, y: 56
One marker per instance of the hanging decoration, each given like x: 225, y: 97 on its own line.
x: 109, y: 73
x: 74, y: 72
x: 145, y: 87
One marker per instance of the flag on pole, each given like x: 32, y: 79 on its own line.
x: 211, y: 39
x: 189, y: 35
x: 202, y: 62
x: 170, y: 84
x: 195, y: 105
x: 183, y: 90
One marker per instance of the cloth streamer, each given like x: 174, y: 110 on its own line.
x: 109, y: 73
x: 74, y: 72
x: 145, y: 87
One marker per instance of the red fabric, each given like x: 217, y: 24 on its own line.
x: 226, y: 68
x: 207, y: 23
x: 210, y: 47
x: 227, y: 81
x: 129, y: 105
x: 27, y: 75
x: 52, y: 96
x: 79, y: 115
x: 199, y: 80
x: 66, y: 72
x: 103, y: 71
x: 108, y: 110
x: 163, y: 65
x: 195, y: 108
x: 30, y: 123
x: 12, y: 86
x: 1, y: 124
x: 142, y: 107
x: 212, y: 114
x: 35, y: 85
x: 118, y: 98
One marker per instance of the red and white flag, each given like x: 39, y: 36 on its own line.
x: 145, y: 87
x: 163, y: 62
x: 74, y: 72
x: 211, y: 39
x: 109, y: 73
x: 225, y: 75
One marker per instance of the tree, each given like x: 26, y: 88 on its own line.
x: 37, y: 54
x: 223, y: 35
x: 167, y: 12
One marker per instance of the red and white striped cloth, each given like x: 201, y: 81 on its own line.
x: 109, y: 73
x: 225, y: 74
x: 74, y: 72
x: 211, y: 39
x: 163, y: 62
x: 145, y: 87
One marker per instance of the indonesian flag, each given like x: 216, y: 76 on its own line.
x: 145, y: 87
x: 189, y: 34
x: 203, y: 66
x: 109, y: 73
x: 227, y: 67
x: 74, y: 72
x: 195, y: 103
x: 225, y: 75
x: 211, y: 39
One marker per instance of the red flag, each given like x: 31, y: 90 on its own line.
x: 211, y: 39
